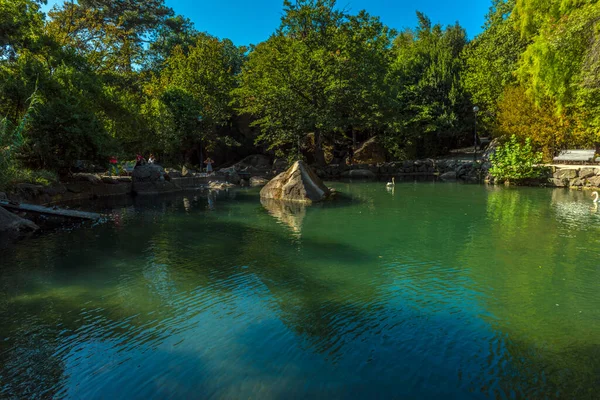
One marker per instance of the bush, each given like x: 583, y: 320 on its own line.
x: 61, y: 133
x: 515, y: 162
x: 549, y: 132
x: 16, y: 174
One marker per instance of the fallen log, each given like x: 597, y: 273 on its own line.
x: 51, y: 211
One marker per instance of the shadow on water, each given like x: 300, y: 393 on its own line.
x: 105, y: 309
x: 118, y: 297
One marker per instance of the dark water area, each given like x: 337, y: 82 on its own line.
x: 432, y: 290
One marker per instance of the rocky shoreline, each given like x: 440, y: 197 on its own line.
x: 151, y: 180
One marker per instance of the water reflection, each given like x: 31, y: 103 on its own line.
x: 287, y: 212
x: 212, y: 198
x: 534, y: 265
x: 486, y: 292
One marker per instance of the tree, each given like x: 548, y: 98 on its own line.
x: 520, y: 117
x: 431, y: 104
x: 491, y: 61
x: 21, y: 24
x: 189, y: 100
x: 321, y: 72
x: 562, y: 61
x: 112, y: 34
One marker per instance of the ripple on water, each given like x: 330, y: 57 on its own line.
x: 436, y: 291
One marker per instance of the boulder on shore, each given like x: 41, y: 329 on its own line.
x: 148, y: 173
x: 150, y: 179
x: 298, y: 183
x: 370, y: 152
x: 359, y: 174
x: 448, y: 176
x: 258, y: 181
x: 153, y: 188
x: 13, y: 224
x: 231, y: 175
x: 256, y: 161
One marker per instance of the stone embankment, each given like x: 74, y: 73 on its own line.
x: 145, y: 180
x: 446, y: 169
x: 257, y: 171
x: 576, y: 177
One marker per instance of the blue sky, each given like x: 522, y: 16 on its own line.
x: 252, y: 21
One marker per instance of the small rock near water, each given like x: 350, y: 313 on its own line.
x: 448, y: 176
x: 86, y: 177
x: 359, y: 174
x: 11, y: 223
x: 258, y: 181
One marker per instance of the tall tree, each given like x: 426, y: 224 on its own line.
x: 431, y: 103
x: 562, y: 62
x: 189, y: 100
x: 21, y: 24
x: 319, y: 73
x: 491, y: 61
x: 113, y: 35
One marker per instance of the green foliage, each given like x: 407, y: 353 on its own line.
x: 125, y: 77
x: 514, y: 161
x: 12, y: 141
x: 20, y: 26
x: 323, y: 73
x: 548, y: 131
x: 431, y: 104
x: 190, y: 98
x: 491, y: 60
x: 562, y: 62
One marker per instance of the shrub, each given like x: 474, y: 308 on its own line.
x: 550, y: 132
x: 514, y: 161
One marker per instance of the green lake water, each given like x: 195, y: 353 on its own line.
x: 430, y: 291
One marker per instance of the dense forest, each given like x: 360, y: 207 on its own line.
x: 99, y: 78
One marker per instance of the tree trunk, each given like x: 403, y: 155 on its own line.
x: 319, y: 154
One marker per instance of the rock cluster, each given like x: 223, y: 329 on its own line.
x: 465, y: 170
x: 150, y: 179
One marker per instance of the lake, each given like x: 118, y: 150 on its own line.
x: 434, y: 290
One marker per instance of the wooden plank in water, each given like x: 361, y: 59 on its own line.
x: 51, y: 211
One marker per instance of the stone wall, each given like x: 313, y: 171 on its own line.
x: 464, y: 170
x: 92, y: 186
x: 575, y: 177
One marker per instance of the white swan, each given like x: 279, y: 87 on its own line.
x: 596, y: 199
x: 393, y: 183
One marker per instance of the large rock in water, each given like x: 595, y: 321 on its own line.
x: 298, y: 183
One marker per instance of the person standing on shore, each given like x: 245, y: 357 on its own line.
x: 209, y: 162
x: 139, y: 160
x: 114, y: 167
